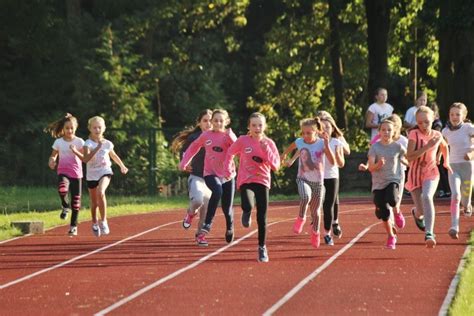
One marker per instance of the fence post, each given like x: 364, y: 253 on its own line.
x: 152, y: 161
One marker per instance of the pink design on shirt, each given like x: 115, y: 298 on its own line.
x: 424, y: 167
x: 69, y: 164
x: 256, y: 160
x: 216, y: 145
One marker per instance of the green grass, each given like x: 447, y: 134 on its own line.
x: 463, y: 303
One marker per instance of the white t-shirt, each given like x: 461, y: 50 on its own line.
x: 331, y: 171
x: 460, y: 142
x: 100, y: 163
x: 380, y: 112
x: 410, y: 115
x: 69, y: 164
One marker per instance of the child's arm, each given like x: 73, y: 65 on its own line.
x: 287, y: 151
x: 327, y: 149
x: 445, y: 152
x: 369, y: 116
x: 188, y: 155
x: 375, y: 166
x: 413, y: 154
x: 272, y: 156
x: 290, y: 161
x: 118, y: 161
x: 339, y: 155
x: 88, y: 154
x: 345, y: 146
x: 52, y: 159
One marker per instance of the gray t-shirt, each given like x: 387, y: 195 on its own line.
x: 391, y: 171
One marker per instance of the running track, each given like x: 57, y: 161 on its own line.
x: 150, y: 265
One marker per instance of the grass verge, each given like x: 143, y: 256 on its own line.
x: 463, y: 303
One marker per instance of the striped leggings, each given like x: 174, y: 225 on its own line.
x: 311, y: 194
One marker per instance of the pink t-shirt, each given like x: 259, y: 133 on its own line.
x: 424, y: 167
x: 69, y: 164
x: 256, y: 160
x: 216, y: 145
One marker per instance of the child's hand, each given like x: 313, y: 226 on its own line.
x: 434, y: 141
x: 325, y: 137
x: 381, y: 162
x: 448, y: 167
x: 469, y: 156
x: 264, y: 145
x: 52, y: 163
x: 123, y: 170
x: 362, y: 167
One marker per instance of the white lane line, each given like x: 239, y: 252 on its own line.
x: 454, y: 283
x: 153, y: 285
x: 316, y: 272
x: 62, y: 264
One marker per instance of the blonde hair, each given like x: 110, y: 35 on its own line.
x: 56, y: 128
x: 397, y: 123
x: 426, y: 110
x: 460, y: 106
x: 95, y: 119
x: 223, y: 113
x: 336, y: 131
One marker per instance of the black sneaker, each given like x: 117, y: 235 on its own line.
x: 64, y: 212
x: 262, y: 254
x: 328, y: 240
x: 246, y: 219
x: 420, y: 223
x: 336, y: 230
x: 229, y: 235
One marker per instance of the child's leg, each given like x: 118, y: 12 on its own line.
x: 63, y: 188
x: 101, y: 198
x: 214, y: 184
x: 261, y: 197
x: 455, y: 185
x: 315, y: 204
x: 94, y: 205
x: 228, y: 190
x: 196, y: 192
x: 416, y: 197
x: 304, y: 191
x: 382, y: 210
x: 428, y: 191
x: 75, y: 188
x: 328, y: 204
x: 466, y: 173
x: 400, y: 194
x: 247, y: 198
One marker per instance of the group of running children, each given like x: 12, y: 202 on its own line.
x: 208, y: 149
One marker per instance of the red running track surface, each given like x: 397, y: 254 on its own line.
x: 150, y: 265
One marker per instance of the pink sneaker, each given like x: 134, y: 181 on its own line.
x: 298, y: 226
x: 201, y: 240
x: 188, y: 219
x: 315, y: 239
x: 399, y: 220
x: 391, y: 242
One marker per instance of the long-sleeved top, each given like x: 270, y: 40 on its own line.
x: 256, y: 160
x: 216, y: 145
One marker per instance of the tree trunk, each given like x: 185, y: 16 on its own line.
x: 335, y: 7
x: 378, y: 23
x: 456, y: 57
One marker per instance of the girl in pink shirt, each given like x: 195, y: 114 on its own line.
x: 423, y: 175
x: 221, y: 182
x: 69, y: 167
x: 258, y: 155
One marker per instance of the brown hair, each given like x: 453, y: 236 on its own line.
x: 315, y: 123
x: 336, y: 131
x: 182, y: 136
x: 462, y: 107
x: 56, y: 128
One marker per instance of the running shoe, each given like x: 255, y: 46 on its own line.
x: 430, y: 240
x: 96, y: 230
x: 262, y: 254
x: 73, y: 231
x: 420, y: 222
x: 229, y: 235
x: 104, y: 228
x: 399, y: 220
x: 328, y: 240
x: 468, y: 211
x: 188, y: 219
x: 64, y: 212
x: 298, y: 226
x: 391, y: 242
x: 453, y: 233
x: 315, y: 239
x: 246, y: 219
x: 201, y: 239
x: 337, y: 230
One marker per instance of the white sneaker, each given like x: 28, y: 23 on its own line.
x: 73, y: 231
x: 96, y: 230
x: 104, y: 228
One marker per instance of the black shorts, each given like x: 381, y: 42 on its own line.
x: 95, y: 183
